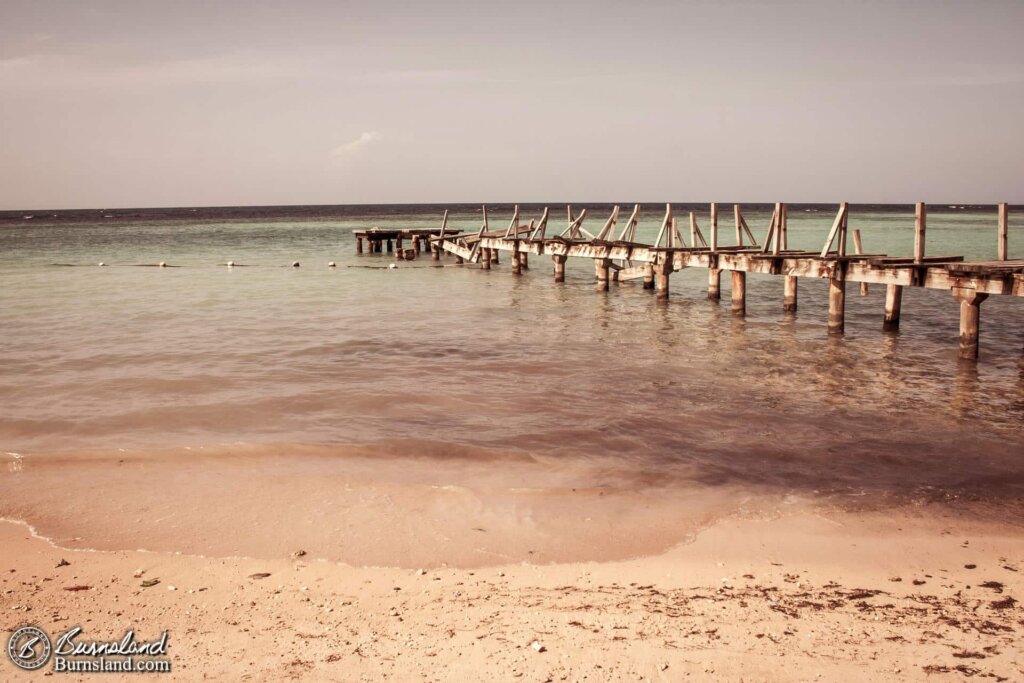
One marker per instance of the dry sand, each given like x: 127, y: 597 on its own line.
x: 908, y: 594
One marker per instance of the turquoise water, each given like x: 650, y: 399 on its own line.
x: 200, y: 354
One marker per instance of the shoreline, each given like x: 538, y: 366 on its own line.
x: 851, y: 596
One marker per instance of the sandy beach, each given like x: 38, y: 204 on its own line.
x: 919, y: 593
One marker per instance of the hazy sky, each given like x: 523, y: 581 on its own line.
x: 176, y: 103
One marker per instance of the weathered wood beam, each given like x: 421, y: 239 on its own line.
x: 629, y: 230
x: 714, y: 226
x: 920, y: 221
x: 858, y: 249
x: 609, y: 225
x: 1004, y: 221
x: 514, y: 223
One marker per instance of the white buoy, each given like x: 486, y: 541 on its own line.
x: 101, y: 263
x: 330, y: 264
x: 392, y: 266
x: 295, y: 264
x: 230, y: 264
x: 163, y: 264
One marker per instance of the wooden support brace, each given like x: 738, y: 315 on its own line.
x: 769, y: 238
x: 714, y: 226
x: 838, y: 226
x: 359, y: 245
x: 695, y: 233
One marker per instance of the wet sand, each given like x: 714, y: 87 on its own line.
x: 918, y: 593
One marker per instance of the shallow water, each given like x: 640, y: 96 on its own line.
x: 460, y: 361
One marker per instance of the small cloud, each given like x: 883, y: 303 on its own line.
x: 360, y: 142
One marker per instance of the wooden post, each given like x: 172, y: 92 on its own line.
x: 776, y: 238
x: 458, y: 260
x: 602, y: 265
x: 494, y: 257
x: 435, y: 251
x: 515, y: 259
x: 789, y: 290
x: 524, y: 264
x: 559, y: 260
x: 714, y: 282
x: 648, y: 275
x: 893, y: 302
x: 739, y: 293
x: 359, y: 245
x: 391, y: 246
x: 662, y: 271
x: 1004, y: 220
x: 485, y: 259
x: 836, y: 305
x: 714, y: 228
x: 970, y: 317
x: 416, y: 244
x: 739, y: 225
x: 398, y: 244
x: 784, y: 226
x: 858, y: 249
x: 920, y: 220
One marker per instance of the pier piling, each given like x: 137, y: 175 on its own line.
x: 739, y: 293
x: 662, y: 271
x: 970, y: 317
x: 648, y: 276
x: 836, y: 305
x: 714, y: 282
x: 893, y: 302
x: 789, y: 293
x: 602, y: 266
x: 559, y: 260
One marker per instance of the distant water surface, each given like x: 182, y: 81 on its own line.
x: 456, y: 361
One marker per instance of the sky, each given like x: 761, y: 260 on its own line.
x: 140, y: 103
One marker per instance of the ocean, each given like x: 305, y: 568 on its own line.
x: 529, y: 385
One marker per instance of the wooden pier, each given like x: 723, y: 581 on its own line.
x: 376, y: 239
x: 617, y: 256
